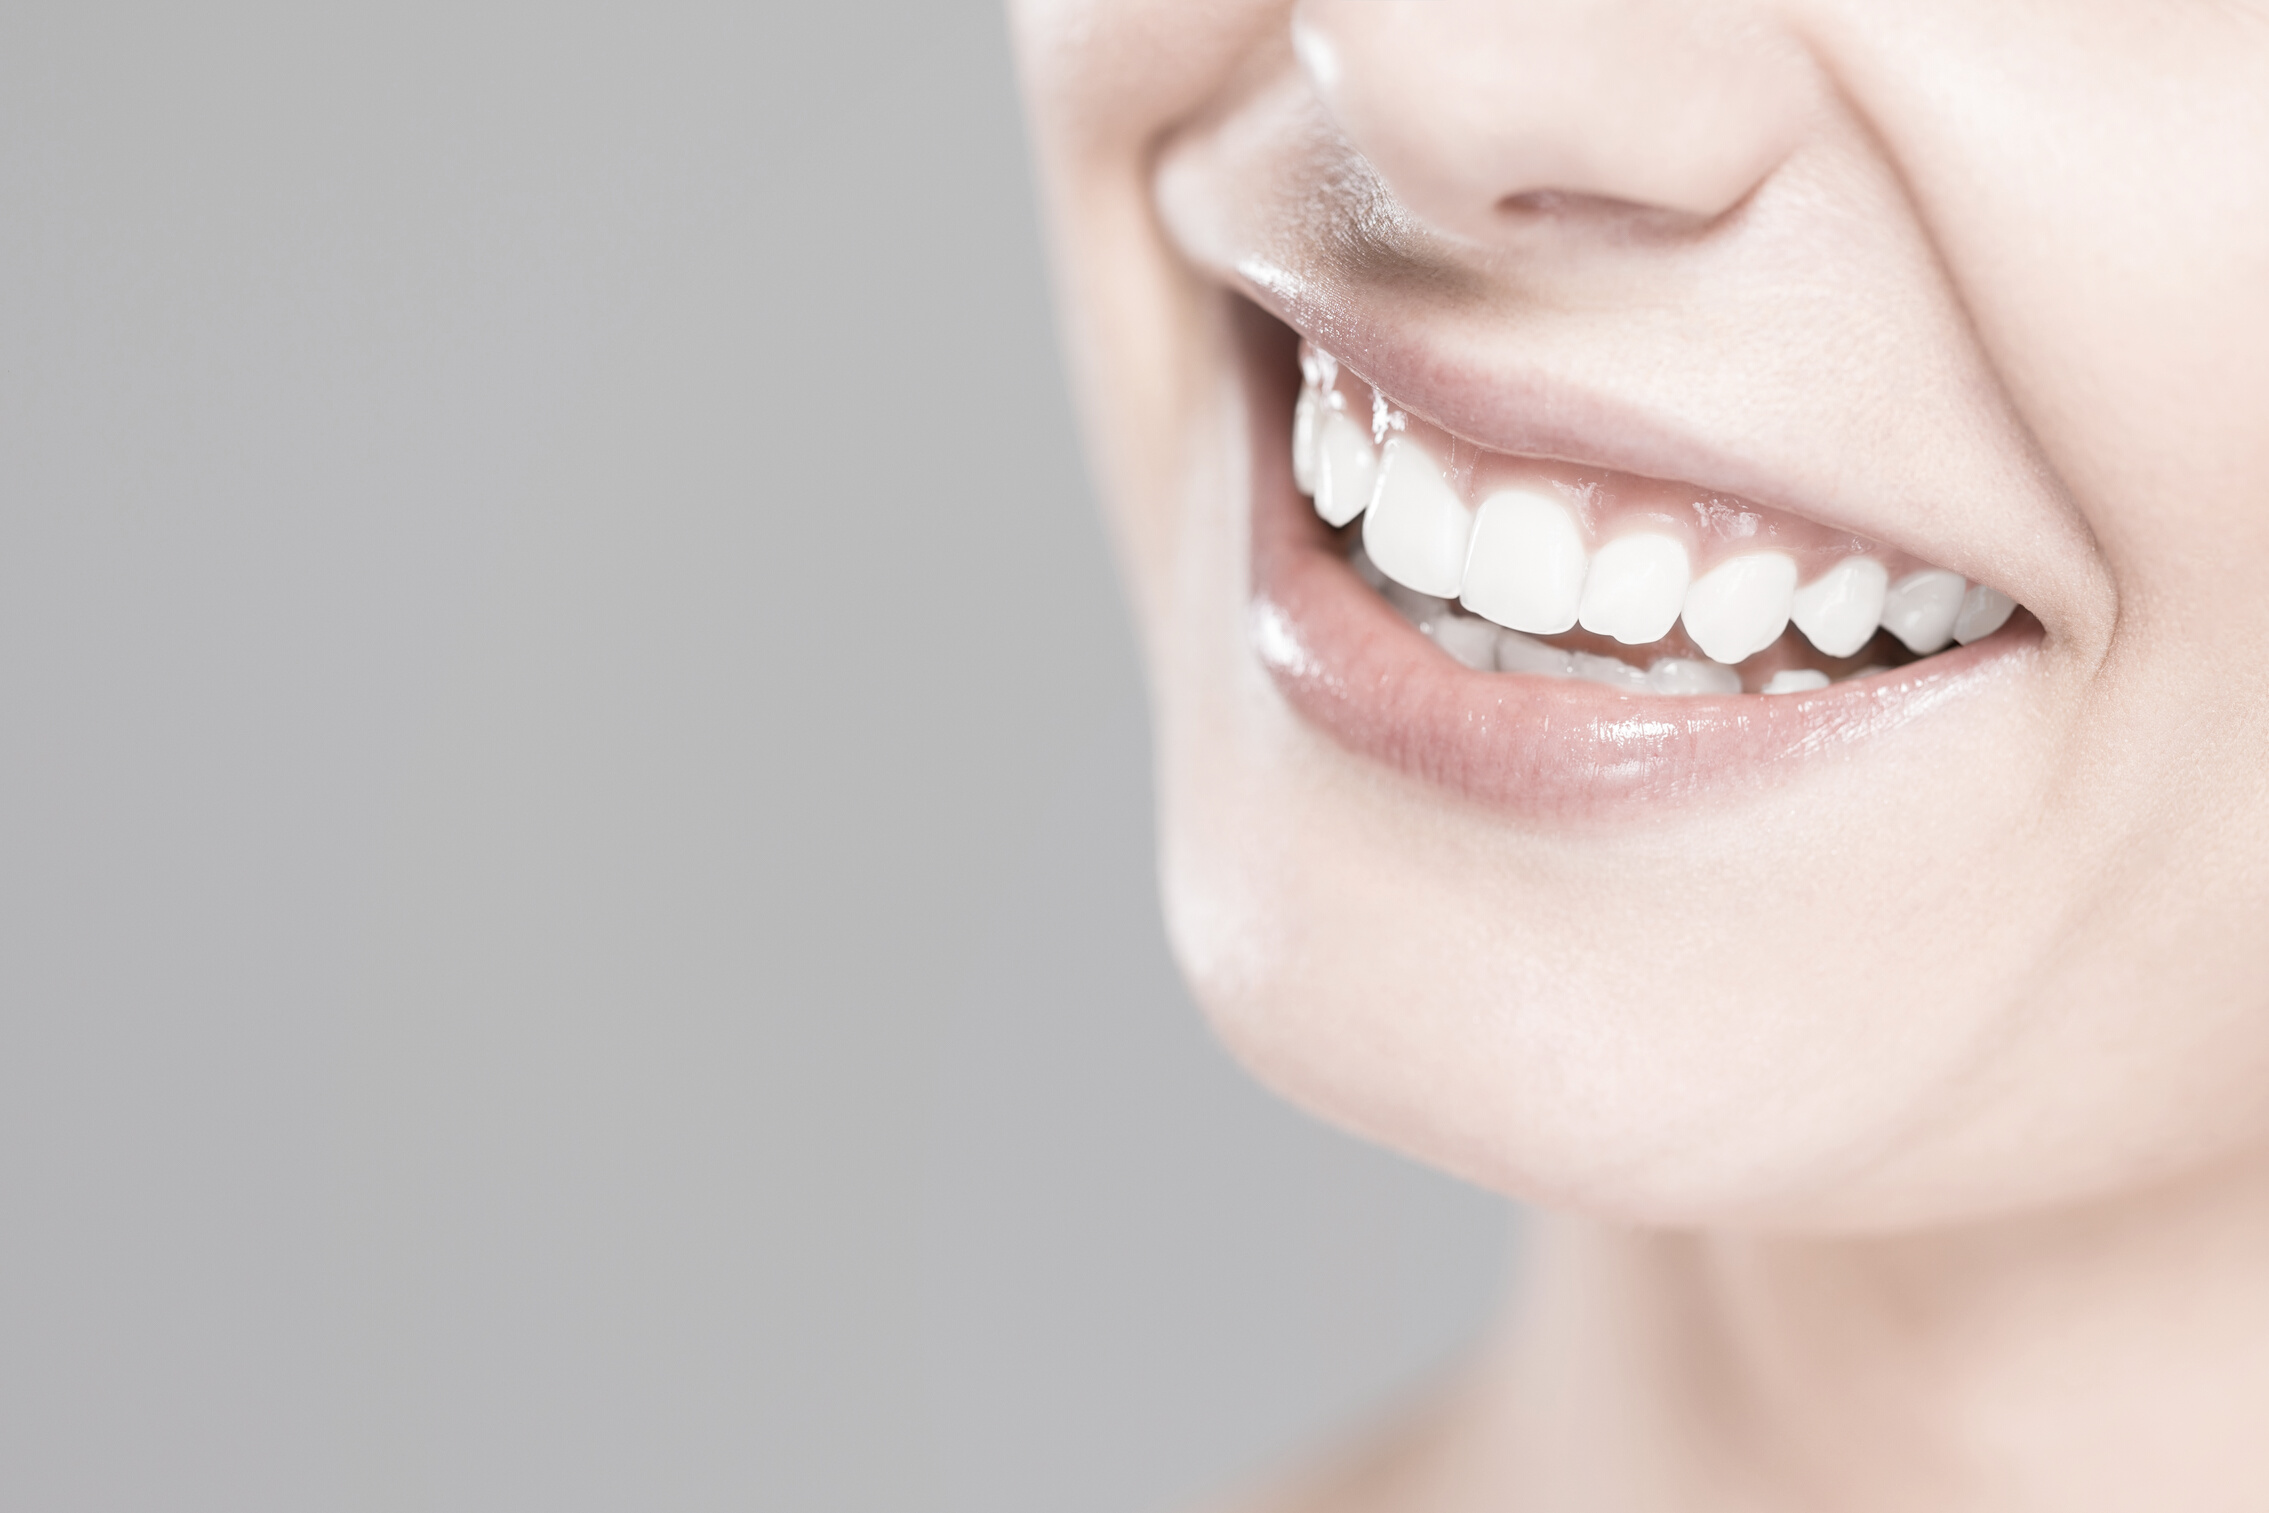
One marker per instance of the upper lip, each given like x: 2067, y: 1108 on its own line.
x: 1519, y: 406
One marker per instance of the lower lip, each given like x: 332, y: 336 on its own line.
x: 1544, y: 747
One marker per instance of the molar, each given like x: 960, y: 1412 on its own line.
x: 1525, y: 568
x: 1839, y: 610
x: 1984, y: 611
x: 1741, y: 606
x: 1921, y: 607
x: 1417, y: 529
x: 1636, y: 588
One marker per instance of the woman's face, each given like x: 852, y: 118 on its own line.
x: 1887, y: 311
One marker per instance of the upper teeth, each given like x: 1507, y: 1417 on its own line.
x: 1525, y: 569
x: 1840, y: 609
x: 1635, y: 588
x: 1520, y: 559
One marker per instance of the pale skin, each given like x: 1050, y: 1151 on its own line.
x: 1896, y: 1111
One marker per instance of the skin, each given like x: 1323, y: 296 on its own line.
x: 1899, y: 1120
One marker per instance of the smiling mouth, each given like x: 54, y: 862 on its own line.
x: 1561, y: 637
x: 1530, y: 567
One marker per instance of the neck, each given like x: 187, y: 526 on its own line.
x: 2113, y: 1357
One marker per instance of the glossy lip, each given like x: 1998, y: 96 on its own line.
x: 1543, y: 747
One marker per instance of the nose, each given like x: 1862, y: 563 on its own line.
x: 1480, y: 114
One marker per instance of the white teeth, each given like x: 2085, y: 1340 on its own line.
x: 1636, y: 588
x: 1346, y: 469
x: 1612, y: 671
x: 1683, y: 675
x: 1304, y: 442
x: 1471, y: 641
x: 1920, y: 609
x: 1418, y: 528
x: 1519, y: 561
x: 1839, y: 610
x: 1740, y: 607
x: 1984, y: 611
x: 1526, y: 566
x: 1519, y: 653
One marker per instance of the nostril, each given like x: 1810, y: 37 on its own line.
x: 1556, y: 206
x: 1537, y: 202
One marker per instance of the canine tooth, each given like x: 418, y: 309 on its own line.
x: 1920, y: 609
x: 1684, y: 675
x: 1346, y: 469
x: 1840, y: 609
x: 1984, y: 611
x: 1526, y: 567
x: 1418, y: 527
x: 1796, y: 680
x: 1304, y: 442
x: 1519, y: 653
x: 1635, y: 589
x: 1740, y: 607
x: 1612, y: 671
x: 1471, y: 641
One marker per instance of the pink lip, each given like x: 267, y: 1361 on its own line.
x: 1534, y: 413
x: 1537, y: 746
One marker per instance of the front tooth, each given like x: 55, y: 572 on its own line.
x: 1796, y: 680
x: 1740, y: 607
x: 1471, y: 641
x: 1840, y: 609
x: 1984, y: 611
x: 1636, y: 587
x: 1304, y: 442
x: 1920, y: 609
x: 1684, y: 675
x: 1346, y: 469
x: 1612, y: 671
x: 1519, y: 653
x: 1526, y: 568
x: 1418, y: 528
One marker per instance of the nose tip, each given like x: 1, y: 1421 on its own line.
x: 1480, y: 113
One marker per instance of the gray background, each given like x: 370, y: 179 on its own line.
x: 578, y: 926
